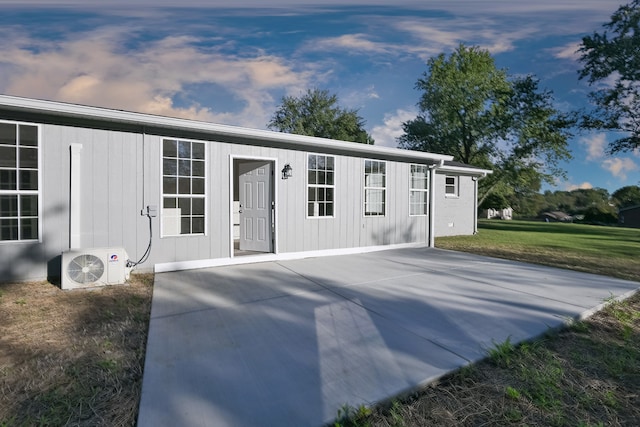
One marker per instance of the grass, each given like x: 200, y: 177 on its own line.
x: 72, y: 358
x: 76, y: 358
x: 610, y: 251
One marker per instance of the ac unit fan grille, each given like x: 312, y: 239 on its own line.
x: 85, y: 269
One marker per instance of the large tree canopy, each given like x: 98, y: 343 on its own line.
x: 316, y: 113
x: 611, y: 61
x: 477, y: 113
x: 627, y: 196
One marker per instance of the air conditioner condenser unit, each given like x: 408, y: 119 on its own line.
x: 85, y: 268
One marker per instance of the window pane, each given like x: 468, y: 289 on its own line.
x: 322, y: 178
x: 184, y: 149
x: 29, y: 180
x: 7, y: 179
x: 312, y: 177
x: 312, y: 195
x: 29, y: 205
x: 197, y: 225
x: 312, y: 161
x: 28, y: 135
x: 330, y: 163
x: 185, y: 206
x: 329, y: 209
x: 8, y: 229
x: 450, y: 180
x: 185, y: 225
x: 198, y: 186
x: 321, y: 160
x: 169, y: 148
x: 169, y: 202
x: 330, y: 194
x: 184, y: 167
x: 310, y: 206
x: 169, y: 185
x: 7, y: 134
x: 29, y: 228
x: 198, y: 206
x: 321, y: 193
x: 9, y: 205
x: 198, y: 150
x: 169, y: 167
x: 329, y: 178
x: 321, y: 210
x: 29, y: 158
x: 197, y: 168
x: 7, y: 157
x: 184, y: 185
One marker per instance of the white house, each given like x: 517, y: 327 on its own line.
x: 191, y: 194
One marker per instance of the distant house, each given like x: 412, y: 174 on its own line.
x: 184, y: 194
x: 629, y: 217
x: 556, y: 216
x: 505, y: 213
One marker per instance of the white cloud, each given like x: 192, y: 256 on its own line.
x: 595, y: 145
x: 620, y: 167
x: 568, y: 51
x: 583, y: 186
x: 386, y: 134
x: 93, y: 69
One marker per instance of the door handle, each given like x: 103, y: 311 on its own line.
x: 240, y: 210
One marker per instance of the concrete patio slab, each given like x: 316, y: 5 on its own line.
x: 291, y: 342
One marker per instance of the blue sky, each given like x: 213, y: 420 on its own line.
x: 232, y: 65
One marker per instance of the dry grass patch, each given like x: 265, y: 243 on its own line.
x: 72, y: 357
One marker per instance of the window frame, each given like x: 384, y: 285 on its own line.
x: 455, y: 186
x: 204, y: 196
x: 413, y: 190
x: 324, y: 186
x: 18, y: 192
x: 366, y: 188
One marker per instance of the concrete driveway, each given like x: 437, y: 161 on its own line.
x: 289, y: 343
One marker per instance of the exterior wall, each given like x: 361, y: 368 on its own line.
x: 630, y: 217
x: 121, y: 175
x: 455, y: 216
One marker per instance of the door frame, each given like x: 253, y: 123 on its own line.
x: 274, y: 186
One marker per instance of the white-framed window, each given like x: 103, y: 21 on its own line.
x: 375, y: 187
x: 19, y: 182
x: 451, y: 187
x: 418, y: 190
x: 320, y: 185
x: 184, y: 167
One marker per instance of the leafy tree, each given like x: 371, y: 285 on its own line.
x: 476, y: 112
x: 626, y: 196
x: 316, y: 113
x: 614, y: 56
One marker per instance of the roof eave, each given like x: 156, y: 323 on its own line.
x: 148, y: 120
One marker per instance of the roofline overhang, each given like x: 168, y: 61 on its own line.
x: 234, y: 134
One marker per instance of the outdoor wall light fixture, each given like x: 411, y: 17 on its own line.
x: 287, y: 171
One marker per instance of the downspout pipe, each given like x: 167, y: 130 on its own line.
x: 432, y: 201
x: 475, y: 201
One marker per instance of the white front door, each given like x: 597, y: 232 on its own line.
x: 256, y: 199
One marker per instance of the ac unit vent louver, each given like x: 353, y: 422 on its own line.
x: 94, y: 267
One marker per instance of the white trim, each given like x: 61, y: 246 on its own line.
x: 75, y: 204
x: 464, y: 170
x: 147, y: 120
x: 274, y: 183
x: 219, y: 262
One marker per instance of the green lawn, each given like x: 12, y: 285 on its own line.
x: 611, y: 251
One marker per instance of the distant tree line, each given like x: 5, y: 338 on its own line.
x: 593, y: 205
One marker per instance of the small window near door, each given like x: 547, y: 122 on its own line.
x: 451, y: 188
x: 418, y: 190
x: 183, y: 187
x: 320, y: 185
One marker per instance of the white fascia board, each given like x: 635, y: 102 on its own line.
x: 139, y: 119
